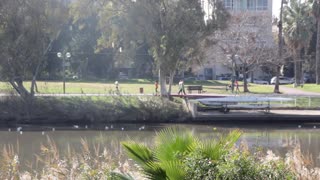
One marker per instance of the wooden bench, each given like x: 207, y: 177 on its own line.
x: 191, y: 88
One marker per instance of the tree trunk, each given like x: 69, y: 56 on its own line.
x: 17, y: 84
x: 318, y: 53
x: 276, y: 86
x: 296, y: 72
x: 162, y: 81
x: 245, y: 83
x: 280, y: 44
x: 170, y: 82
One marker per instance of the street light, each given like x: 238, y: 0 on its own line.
x: 64, y: 58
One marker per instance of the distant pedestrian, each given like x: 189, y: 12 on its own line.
x: 156, y: 86
x: 237, y: 85
x: 181, y: 88
x: 117, y: 86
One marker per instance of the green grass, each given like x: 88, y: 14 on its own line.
x: 132, y: 87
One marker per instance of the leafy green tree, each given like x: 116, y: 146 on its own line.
x: 172, y: 30
x: 298, y: 24
x: 28, y: 29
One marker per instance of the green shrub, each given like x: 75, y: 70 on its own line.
x: 180, y: 155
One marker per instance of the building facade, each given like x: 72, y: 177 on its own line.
x: 215, y: 66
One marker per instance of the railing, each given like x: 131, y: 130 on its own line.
x: 300, y: 101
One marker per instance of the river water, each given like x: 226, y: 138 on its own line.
x: 278, y: 137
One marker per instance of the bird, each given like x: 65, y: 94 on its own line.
x: 42, y: 132
x: 53, y: 129
x: 299, y: 126
x: 106, y: 128
x: 9, y: 129
x: 21, y: 132
x: 122, y: 129
x: 19, y: 128
x: 76, y: 126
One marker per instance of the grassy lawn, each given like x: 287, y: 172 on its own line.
x: 133, y: 87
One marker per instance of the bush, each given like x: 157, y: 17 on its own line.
x: 180, y: 155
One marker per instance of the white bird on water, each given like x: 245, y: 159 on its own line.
x: 106, y: 128
x: 19, y: 128
x: 76, y: 126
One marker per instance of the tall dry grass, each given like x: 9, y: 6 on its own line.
x: 92, y: 162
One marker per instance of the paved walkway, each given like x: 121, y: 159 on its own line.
x: 294, y: 91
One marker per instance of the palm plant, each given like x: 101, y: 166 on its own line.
x: 166, y: 159
x: 298, y: 25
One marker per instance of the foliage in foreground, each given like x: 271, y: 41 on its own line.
x: 180, y: 155
x: 89, y: 109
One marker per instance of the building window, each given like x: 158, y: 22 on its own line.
x: 228, y: 4
x: 240, y: 5
x: 251, y: 4
x: 262, y: 4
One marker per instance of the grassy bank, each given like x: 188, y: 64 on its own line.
x: 90, y: 110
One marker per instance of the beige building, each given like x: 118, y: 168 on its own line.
x: 249, y: 17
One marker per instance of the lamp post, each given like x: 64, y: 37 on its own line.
x: 64, y: 57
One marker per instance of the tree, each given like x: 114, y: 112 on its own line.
x: 168, y: 27
x: 243, y: 44
x: 27, y: 31
x: 171, y: 29
x: 316, y: 14
x: 298, y: 24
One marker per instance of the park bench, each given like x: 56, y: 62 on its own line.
x: 197, y: 88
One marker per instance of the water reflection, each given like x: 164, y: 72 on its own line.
x: 27, y: 140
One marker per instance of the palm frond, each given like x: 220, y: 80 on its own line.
x: 138, y: 152
x: 154, y: 171
x: 120, y: 176
x: 171, y: 144
x: 174, y: 169
x: 215, y: 150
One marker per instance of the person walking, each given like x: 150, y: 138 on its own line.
x: 237, y: 86
x: 117, y: 86
x: 156, y: 86
x: 181, y: 88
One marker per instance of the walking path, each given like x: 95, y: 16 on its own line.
x: 294, y: 91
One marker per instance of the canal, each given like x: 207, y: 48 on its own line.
x: 279, y: 138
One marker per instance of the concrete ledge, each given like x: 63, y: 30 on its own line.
x: 261, y: 116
